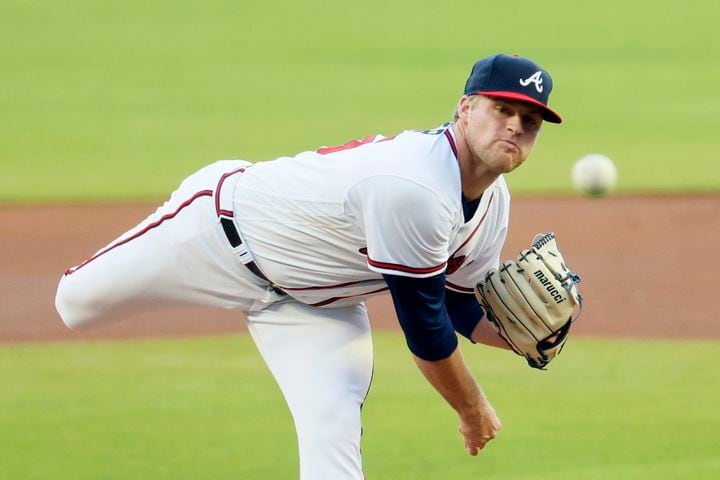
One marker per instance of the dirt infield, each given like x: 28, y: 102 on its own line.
x: 649, y: 266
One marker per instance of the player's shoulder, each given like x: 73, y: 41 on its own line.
x: 442, y: 134
x: 423, y: 157
x: 431, y: 151
x: 406, y: 143
x: 429, y: 158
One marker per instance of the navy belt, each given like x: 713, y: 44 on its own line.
x: 234, y: 238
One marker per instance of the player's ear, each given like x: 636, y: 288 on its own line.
x: 464, y: 106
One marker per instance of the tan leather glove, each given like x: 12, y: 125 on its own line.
x: 532, y: 300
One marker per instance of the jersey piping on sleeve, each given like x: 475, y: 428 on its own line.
x: 392, y: 267
x: 458, y: 288
x: 425, y: 258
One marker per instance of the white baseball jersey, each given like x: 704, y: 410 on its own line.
x: 324, y: 226
x: 393, y: 206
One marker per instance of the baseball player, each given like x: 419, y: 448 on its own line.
x: 298, y: 244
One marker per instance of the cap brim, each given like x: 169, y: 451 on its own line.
x: 549, y: 115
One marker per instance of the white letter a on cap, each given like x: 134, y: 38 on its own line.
x: 535, y: 78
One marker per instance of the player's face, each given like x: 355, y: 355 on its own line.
x: 500, y: 133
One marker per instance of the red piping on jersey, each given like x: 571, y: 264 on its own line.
x: 456, y: 267
x: 335, y: 299
x: 403, y: 268
x: 492, y: 195
x: 346, y: 146
x: 326, y: 287
x: 450, y: 138
x: 225, y: 213
x: 203, y: 193
x: 458, y: 287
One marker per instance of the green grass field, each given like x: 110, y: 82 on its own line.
x: 207, y: 408
x: 118, y: 101
x: 121, y: 100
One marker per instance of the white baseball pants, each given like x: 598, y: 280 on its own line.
x: 321, y: 358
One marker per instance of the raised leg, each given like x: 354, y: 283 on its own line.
x: 178, y: 255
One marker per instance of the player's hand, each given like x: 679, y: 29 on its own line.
x: 478, y: 426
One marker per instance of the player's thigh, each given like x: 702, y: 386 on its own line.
x: 319, y: 357
x: 178, y: 254
x: 322, y: 360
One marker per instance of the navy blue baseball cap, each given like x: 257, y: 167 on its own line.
x: 513, y: 77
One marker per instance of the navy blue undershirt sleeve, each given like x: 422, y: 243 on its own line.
x: 429, y: 314
x: 420, y: 307
x: 465, y: 312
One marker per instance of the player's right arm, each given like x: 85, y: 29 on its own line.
x: 407, y: 228
x: 451, y: 378
x: 420, y: 305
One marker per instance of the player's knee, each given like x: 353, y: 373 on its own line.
x: 329, y: 424
x: 75, y: 305
x: 329, y: 445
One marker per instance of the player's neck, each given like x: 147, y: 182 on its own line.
x: 475, y: 183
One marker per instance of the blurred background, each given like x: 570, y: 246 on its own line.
x: 105, y: 106
x: 120, y: 100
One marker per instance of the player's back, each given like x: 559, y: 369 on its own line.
x: 295, y: 215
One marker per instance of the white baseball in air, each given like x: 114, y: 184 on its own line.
x: 594, y: 174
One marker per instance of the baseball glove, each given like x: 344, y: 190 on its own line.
x: 531, y: 301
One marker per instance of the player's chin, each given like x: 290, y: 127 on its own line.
x: 507, y: 162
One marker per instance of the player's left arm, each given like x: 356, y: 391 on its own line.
x: 469, y: 319
x: 428, y: 313
x: 485, y: 333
